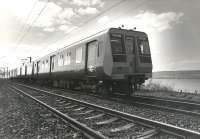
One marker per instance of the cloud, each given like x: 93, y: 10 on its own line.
x: 16, y: 15
x: 64, y: 27
x: 103, y: 19
x: 47, y: 17
x: 88, y: 2
x: 67, y: 13
x: 16, y: 8
x: 145, y: 21
x: 159, y: 22
x: 49, y: 29
x: 54, y: 16
x: 88, y: 10
x: 67, y: 28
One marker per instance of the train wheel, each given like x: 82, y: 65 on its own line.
x: 71, y: 85
x: 104, y: 88
x: 130, y: 88
x: 135, y: 87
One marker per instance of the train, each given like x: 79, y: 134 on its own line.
x: 109, y: 60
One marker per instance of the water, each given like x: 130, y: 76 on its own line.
x: 186, y: 85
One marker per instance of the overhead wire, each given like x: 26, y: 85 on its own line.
x: 89, y: 20
x: 138, y: 6
x: 94, y: 17
x: 22, y: 29
x: 31, y: 25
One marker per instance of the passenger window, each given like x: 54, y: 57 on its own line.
x: 61, y: 60
x: 67, y: 58
x: 46, y: 64
x: 78, y: 54
x: 43, y: 65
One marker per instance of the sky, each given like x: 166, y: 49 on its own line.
x: 37, y: 27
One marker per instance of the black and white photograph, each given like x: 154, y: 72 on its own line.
x: 99, y: 69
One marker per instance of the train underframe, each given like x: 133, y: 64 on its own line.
x: 104, y: 87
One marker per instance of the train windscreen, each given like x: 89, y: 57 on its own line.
x: 118, y: 50
x: 144, y: 50
x: 130, y: 45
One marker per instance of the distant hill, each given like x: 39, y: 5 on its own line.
x: 186, y: 74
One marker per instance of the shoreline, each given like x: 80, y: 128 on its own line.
x: 173, y: 84
x: 170, y: 94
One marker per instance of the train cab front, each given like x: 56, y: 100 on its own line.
x: 131, y: 55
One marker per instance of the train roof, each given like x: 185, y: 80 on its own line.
x: 82, y: 40
x: 76, y: 42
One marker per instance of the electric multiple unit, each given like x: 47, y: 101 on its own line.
x: 111, y: 56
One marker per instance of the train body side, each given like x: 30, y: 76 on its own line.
x: 71, y: 63
x: 113, y: 54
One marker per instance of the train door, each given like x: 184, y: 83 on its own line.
x: 25, y: 70
x: 20, y: 73
x: 35, y: 68
x: 32, y: 72
x: 92, y: 54
x: 52, y: 63
x: 38, y: 67
x: 130, y: 51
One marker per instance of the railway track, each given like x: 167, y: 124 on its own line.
x: 22, y: 118
x: 186, y: 107
x: 104, y: 122
x: 50, y: 113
